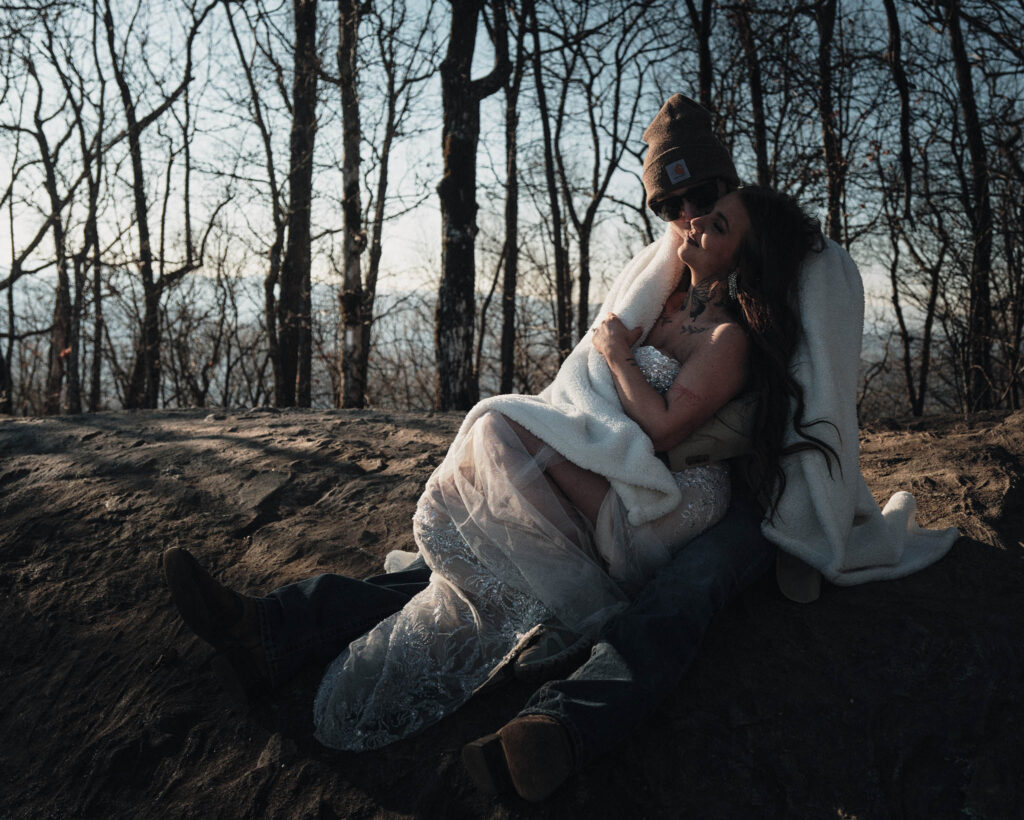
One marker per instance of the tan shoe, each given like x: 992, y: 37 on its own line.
x: 225, y: 619
x: 531, y: 754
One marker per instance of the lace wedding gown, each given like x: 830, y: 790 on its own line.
x: 506, y: 553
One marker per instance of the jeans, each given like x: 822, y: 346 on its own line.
x: 642, y: 653
x: 312, y: 621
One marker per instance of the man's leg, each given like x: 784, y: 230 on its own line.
x: 638, y: 660
x: 312, y: 621
x: 263, y: 641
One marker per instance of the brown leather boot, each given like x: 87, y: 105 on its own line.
x: 225, y: 619
x: 531, y: 754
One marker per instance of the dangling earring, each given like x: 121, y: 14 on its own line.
x: 734, y: 285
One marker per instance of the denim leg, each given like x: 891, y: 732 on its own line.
x: 311, y: 621
x: 642, y: 653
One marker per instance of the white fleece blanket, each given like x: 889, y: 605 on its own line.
x: 833, y: 522
x: 579, y: 413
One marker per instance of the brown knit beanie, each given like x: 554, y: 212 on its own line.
x: 683, y: 150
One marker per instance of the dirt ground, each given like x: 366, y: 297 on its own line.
x: 899, y: 699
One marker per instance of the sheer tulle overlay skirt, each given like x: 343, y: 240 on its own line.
x: 507, y: 552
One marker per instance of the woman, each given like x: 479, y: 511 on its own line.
x: 553, y: 507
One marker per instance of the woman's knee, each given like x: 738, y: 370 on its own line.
x: 495, y: 425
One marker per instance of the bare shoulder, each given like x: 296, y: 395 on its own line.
x: 714, y: 374
x: 729, y: 338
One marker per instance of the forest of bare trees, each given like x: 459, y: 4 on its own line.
x: 413, y: 203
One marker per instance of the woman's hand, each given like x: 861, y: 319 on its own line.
x: 612, y: 338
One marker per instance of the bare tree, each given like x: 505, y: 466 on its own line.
x: 278, y: 210
x: 88, y: 258
x: 606, y: 72
x: 456, y: 386
x: 741, y: 20
x: 294, y: 339
x: 702, y: 21
x: 916, y: 383
x: 353, y: 356
x: 404, y: 57
x: 513, y: 86
x: 563, y: 283
x: 145, y: 376
x: 894, y: 58
x: 978, y: 346
x: 825, y: 21
x: 60, y: 331
x: 1010, y: 290
x: 45, y: 48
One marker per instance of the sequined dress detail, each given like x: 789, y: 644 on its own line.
x: 506, y: 553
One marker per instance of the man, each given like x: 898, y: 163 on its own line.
x: 640, y: 655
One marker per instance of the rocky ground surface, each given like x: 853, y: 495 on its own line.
x: 897, y: 699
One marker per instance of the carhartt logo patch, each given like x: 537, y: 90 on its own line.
x: 677, y: 171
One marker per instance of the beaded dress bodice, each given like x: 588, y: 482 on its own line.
x: 658, y: 368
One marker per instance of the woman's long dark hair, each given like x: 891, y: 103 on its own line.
x: 781, y: 235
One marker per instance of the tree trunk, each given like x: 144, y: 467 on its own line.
x: 88, y: 255
x: 456, y: 309
x: 73, y: 395
x: 144, y: 383
x: 701, y: 22
x: 96, y: 365
x: 825, y: 19
x: 60, y: 332
x: 60, y: 329
x: 5, y: 385
x: 583, y: 303
x: 745, y: 32
x: 353, y: 375
x: 509, y: 282
x: 563, y: 287
x: 145, y: 377
x: 273, y: 277
x: 978, y: 346
x: 456, y: 387
x: 369, y: 292
x: 6, y: 378
x: 899, y: 76
x: 294, y: 344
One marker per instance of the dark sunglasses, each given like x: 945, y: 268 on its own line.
x: 702, y: 197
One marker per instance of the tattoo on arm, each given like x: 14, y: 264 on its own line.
x: 691, y: 329
x: 677, y: 391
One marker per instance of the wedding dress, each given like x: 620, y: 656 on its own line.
x: 507, y: 551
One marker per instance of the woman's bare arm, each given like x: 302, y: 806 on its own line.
x: 712, y: 375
